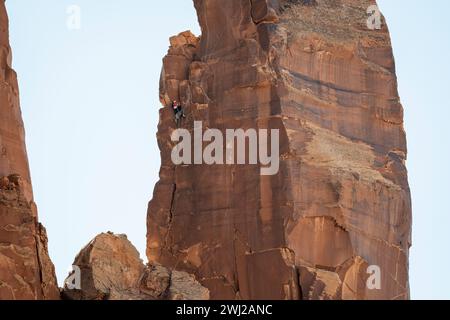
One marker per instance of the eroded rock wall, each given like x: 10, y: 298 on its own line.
x: 110, y: 269
x: 340, y: 201
x: 26, y: 271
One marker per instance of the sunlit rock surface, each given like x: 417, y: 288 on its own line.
x: 111, y: 269
x: 26, y: 271
x: 340, y: 201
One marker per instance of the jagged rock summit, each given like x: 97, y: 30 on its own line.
x: 339, y: 206
x: 111, y: 269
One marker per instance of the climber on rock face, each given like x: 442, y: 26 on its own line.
x: 178, y: 111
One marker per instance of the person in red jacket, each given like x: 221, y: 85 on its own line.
x: 178, y: 111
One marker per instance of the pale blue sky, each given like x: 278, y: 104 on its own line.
x: 90, y: 105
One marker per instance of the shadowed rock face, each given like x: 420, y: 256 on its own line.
x: 340, y: 202
x: 26, y: 271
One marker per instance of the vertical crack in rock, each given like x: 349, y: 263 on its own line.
x: 170, y: 218
x: 340, y: 201
x: 26, y: 271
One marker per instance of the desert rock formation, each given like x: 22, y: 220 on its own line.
x: 340, y: 202
x: 26, y: 271
x: 111, y: 269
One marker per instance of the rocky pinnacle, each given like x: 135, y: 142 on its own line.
x: 26, y: 271
x: 338, y: 212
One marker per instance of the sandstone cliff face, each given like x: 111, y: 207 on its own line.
x: 340, y: 202
x: 26, y: 271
